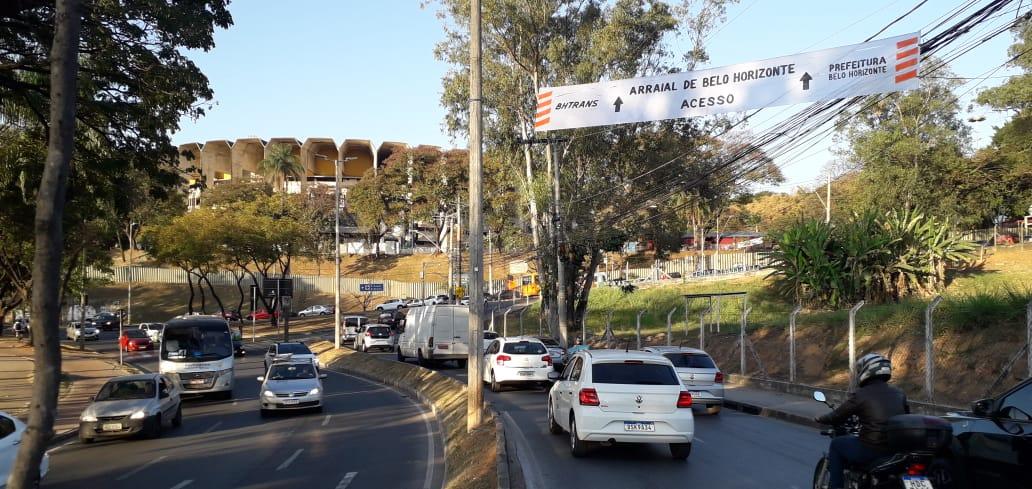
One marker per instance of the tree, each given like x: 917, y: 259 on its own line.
x: 381, y: 199
x: 280, y: 165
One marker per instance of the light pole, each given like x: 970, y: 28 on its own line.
x: 336, y: 245
x: 129, y: 301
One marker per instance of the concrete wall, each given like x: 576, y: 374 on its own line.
x: 217, y: 161
x: 247, y: 155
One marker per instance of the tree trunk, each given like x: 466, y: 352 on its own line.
x: 189, y: 283
x: 49, y: 243
x: 240, y: 288
x: 214, y: 295
x: 204, y: 302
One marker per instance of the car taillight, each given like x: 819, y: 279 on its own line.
x: 916, y: 469
x: 547, y: 359
x: 588, y: 397
x: 718, y: 378
x: 367, y: 333
x: 684, y: 399
x: 501, y: 359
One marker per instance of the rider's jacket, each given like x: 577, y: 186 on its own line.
x: 874, y: 403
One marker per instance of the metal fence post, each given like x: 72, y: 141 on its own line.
x: 669, y: 326
x: 505, y: 322
x: 608, y: 334
x: 702, y: 326
x: 791, y: 343
x: 741, y: 338
x: 852, y: 343
x: 638, y: 327
x: 929, y: 353
x: 521, y: 321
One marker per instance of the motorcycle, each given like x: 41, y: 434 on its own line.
x: 915, y: 462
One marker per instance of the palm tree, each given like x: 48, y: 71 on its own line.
x: 280, y: 165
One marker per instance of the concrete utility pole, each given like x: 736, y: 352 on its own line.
x: 474, y: 386
x: 129, y: 279
x: 336, y: 254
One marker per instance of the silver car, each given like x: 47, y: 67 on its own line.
x: 291, y: 385
x: 89, y: 333
x: 134, y: 404
x: 375, y: 336
x: 698, y: 372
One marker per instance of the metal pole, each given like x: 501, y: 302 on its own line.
x: 336, y: 254
x: 827, y: 202
x: 669, y: 326
x: 717, y: 312
x: 791, y: 343
x: 1028, y: 337
x: 637, y: 323
x: 254, y: 299
x: 852, y: 343
x: 521, y: 321
x: 82, y: 303
x: 741, y: 338
x: 490, y: 265
x: 560, y: 268
x: 505, y: 322
x: 475, y: 393
x: 929, y: 350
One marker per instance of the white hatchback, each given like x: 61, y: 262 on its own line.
x: 616, y: 396
x: 516, y: 360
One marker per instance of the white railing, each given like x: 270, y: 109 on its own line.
x: 693, y: 266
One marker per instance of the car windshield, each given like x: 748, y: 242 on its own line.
x: 135, y: 333
x: 637, y: 373
x: 196, y: 342
x: 690, y: 360
x: 294, y: 348
x: 122, y: 390
x: 290, y: 371
x: 524, y: 348
x: 351, y: 321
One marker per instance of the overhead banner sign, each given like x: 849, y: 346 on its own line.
x: 882, y: 66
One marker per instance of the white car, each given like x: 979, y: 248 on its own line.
x: 616, y: 396
x: 516, y: 360
x: 351, y: 326
x: 375, y: 336
x: 698, y: 372
x: 391, y: 305
x: 153, y: 330
x: 436, y: 299
x: 316, y: 311
x: 489, y: 336
x: 11, y: 431
x: 296, y: 350
x: 291, y: 385
x: 88, y: 333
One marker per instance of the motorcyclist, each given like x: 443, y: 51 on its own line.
x: 874, y: 402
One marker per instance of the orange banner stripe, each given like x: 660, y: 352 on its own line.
x: 908, y: 53
x: 541, y: 122
x: 906, y: 64
x: 544, y: 95
x: 542, y: 113
x: 906, y: 76
x: 906, y: 42
x: 544, y: 104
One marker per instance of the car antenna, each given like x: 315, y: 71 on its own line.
x: 627, y: 346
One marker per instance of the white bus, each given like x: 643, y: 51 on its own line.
x: 436, y: 333
x: 197, y: 352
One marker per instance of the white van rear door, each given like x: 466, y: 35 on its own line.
x: 460, y: 330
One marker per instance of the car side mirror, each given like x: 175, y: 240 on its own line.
x: 982, y: 407
x: 819, y: 396
x: 93, y: 398
x: 163, y: 394
x: 260, y: 378
x: 553, y: 376
x: 323, y: 376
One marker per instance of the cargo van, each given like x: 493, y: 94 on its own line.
x: 436, y: 333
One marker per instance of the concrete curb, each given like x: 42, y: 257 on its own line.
x: 766, y: 412
x: 502, y: 458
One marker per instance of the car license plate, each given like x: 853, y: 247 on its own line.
x: 196, y: 381
x: 291, y: 401
x: 111, y: 427
x: 916, y: 482
x: 639, y: 426
x: 526, y: 373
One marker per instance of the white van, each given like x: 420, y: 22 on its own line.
x: 436, y: 333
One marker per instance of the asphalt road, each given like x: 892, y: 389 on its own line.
x: 731, y: 450
x: 369, y: 436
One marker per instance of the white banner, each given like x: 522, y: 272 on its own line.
x: 885, y: 65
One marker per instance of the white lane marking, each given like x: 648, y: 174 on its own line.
x: 700, y: 440
x: 326, y: 421
x: 346, y: 481
x: 531, y: 472
x: 140, y: 468
x: 286, y: 463
x: 212, y: 428
x: 183, y: 484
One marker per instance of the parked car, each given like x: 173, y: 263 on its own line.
x: 295, y: 349
x: 621, y: 396
x: 375, y: 336
x: 391, y: 305
x: 153, y: 330
x: 106, y: 321
x: 433, y: 300
x: 555, y: 350
x: 352, y: 325
x: 464, y: 301
x: 290, y: 384
x: 231, y: 316
x: 11, y: 432
x: 434, y: 334
x: 261, y: 314
x: 993, y: 442
x: 516, y: 360
x: 88, y: 332
x: 698, y: 372
x: 134, y: 404
x: 410, y: 302
x: 317, y: 310
x: 135, y: 340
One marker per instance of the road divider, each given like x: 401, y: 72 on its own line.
x: 472, y: 460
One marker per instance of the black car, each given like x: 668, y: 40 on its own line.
x: 231, y: 316
x: 105, y: 321
x: 992, y: 445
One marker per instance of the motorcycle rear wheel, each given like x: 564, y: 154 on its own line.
x: 820, y: 474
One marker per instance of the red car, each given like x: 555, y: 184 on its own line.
x: 260, y: 314
x: 135, y: 340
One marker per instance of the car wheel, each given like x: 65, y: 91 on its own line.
x: 713, y: 410
x: 419, y: 358
x: 177, y: 421
x: 553, y: 427
x: 156, y: 428
x: 680, y: 451
x: 578, y: 447
x: 495, y: 386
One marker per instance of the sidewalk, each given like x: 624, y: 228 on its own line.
x: 83, y: 373
x: 792, y: 408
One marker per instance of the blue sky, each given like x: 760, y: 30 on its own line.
x: 366, y: 70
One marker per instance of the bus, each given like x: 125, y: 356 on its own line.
x: 197, y: 353
x: 524, y: 284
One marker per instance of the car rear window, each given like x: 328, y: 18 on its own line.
x: 135, y: 333
x: 490, y: 335
x: 690, y: 360
x: 550, y: 342
x: 524, y: 348
x: 295, y: 348
x: 633, y: 373
x: 379, y: 329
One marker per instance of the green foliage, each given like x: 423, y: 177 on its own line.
x: 281, y: 165
x: 873, y: 257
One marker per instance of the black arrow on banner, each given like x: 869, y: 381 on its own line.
x: 617, y: 104
x: 806, y: 80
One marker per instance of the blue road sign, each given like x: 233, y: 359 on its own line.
x: 370, y: 287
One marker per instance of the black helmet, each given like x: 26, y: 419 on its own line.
x: 873, y: 365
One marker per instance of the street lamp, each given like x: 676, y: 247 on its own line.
x: 336, y: 244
